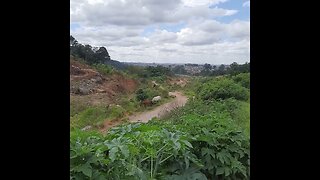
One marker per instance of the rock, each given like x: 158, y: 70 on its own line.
x: 156, y: 99
x: 171, y: 94
x: 83, y: 91
x: 101, y: 91
x: 86, y: 128
x: 98, y: 80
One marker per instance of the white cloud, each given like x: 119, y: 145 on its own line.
x: 163, y: 36
x: 239, y: 29
x: 193, y: 3
x: 120, y: 26
x: 246, y: 4
x: 139, y: 12
x: 210, y: 31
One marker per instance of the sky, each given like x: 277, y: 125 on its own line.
x: 165, y: 31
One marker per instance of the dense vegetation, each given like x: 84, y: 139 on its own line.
x: 213, y: 70
x: 223, y: 89
x: 92, y: 55
x: 206, y: 139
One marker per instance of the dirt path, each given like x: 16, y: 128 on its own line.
x: 178, y: 101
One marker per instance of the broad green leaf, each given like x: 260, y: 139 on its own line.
x: 86, y: 169
x: 227, y: 171
x: 220, y: 170
x: 125, y: 151
x: 113, y: 153
x: 187, y: 143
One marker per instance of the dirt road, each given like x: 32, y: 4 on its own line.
x: 178, y: 101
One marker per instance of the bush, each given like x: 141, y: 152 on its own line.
x: 223, y: 88
x: 129, y: 105
x: 95, y: 115
x: 115, y: 112
x: 90, y: 116
x: 243, y: 79
x: 103, y: 68
x: 164, y: 93
x: 162, y: 151
x: 202, y: 140
x: 141, y: 95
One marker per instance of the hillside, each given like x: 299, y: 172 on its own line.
x: 208, y: 138
x: 87, y: 80
x: 102, y: 96
x: 148, y: 123
x: 93, y: 90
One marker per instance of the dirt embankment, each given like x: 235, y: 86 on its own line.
x: 89, y: 85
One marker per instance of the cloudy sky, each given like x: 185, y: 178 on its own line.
x: 167, y: 31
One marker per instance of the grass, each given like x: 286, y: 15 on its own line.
x: 89, y: 116
x: 103, y: 69
x: 95, y: 116
x: 241, y: 115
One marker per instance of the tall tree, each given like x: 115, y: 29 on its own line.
x: 207, y: 66
x: 73, y: 41
x: 102, y: 54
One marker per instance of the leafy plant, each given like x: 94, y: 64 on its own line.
x: 206, y: 139
x: 243, y: 79
x: 103, y: 68
x: 222, y: 88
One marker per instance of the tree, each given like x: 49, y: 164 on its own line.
x: 243, y: 79
x: 214, y: 67
x: 179, y: 69
x: 73, y: 41
x: 102, y: 54
x: 234, y: 68
x: 221, y: 70
x: 207, y: 66
x: 222, y: 67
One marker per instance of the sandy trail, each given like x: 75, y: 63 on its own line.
x: 179, y: 101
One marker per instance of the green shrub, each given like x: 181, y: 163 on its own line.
x: 243, y: 79
x: 152, y: 92
x: 103, y: 68
x: 142, y: 151
x: 222, y: 88
x: 164, y: 93
x: 205, y: 139
x: 115, y: 112
x: 90, y: 116
x: 129, y: 105
x: 95, y: 115
x: 141, y: 95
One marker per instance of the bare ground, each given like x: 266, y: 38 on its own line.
x: 179, y: 100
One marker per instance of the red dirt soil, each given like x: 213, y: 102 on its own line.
x: 111, y: 85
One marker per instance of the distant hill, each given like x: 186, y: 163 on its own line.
x: 116, y: 64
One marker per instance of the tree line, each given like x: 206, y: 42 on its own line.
x: 91, y: 55
x: 232, y: 70
x: 213, y: 70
